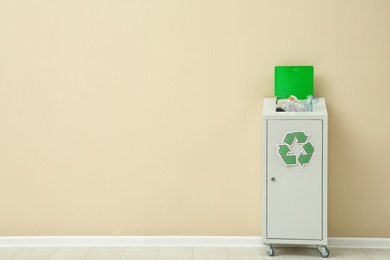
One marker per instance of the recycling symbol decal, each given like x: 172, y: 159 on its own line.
x: 289, y: 141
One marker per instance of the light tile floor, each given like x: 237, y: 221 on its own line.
x: 184, y: 253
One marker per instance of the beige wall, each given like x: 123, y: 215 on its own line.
x: 144, y: 117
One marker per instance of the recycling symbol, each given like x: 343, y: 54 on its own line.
x: 289, y: 141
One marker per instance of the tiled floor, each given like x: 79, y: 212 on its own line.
x: 184, y: 253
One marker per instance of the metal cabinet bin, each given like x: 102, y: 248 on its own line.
x: 294, y: 177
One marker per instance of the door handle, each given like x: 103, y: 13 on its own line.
x: 273, y: 179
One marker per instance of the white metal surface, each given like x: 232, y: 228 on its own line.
x: 295, y: 191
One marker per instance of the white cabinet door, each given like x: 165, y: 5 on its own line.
x: 294, y: 179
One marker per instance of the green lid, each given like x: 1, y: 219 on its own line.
x: 294, y: 80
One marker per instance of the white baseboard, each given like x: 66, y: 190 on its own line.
x: 244, y: 241
x: 129, y: 241
x: 359, y: 242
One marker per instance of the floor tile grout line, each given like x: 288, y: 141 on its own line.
x: 9, y: 258
x: 24, y: 248
x: 122, y: 253
x: 53, y: 252
x: 89, y: 251
x: 368, y: 254
x: 331, y: 254
x: 158, y: 252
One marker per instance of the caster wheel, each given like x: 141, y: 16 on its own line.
x: 271, y: 250
x: 324, y: 251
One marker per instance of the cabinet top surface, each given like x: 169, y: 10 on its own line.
x: 269, y: 109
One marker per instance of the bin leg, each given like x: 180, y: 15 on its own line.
x: 271, y: 250
x: 324, y: 251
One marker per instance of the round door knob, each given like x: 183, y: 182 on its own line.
x: 273, y: 179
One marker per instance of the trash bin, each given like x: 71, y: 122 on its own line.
x: 294, y: 175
